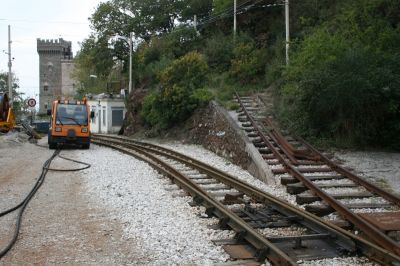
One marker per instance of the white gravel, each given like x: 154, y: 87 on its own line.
x: 340, y: 262
x: 151, y: 212
x: 206, y: 156
x: 381, y: 167
x: 166, y: 228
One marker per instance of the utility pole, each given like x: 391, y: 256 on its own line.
x: 9, y: 68
x: 287, y: 30
x: 129, y: 41
x: 130, y: 61
x: 234, y: 19
x: 195, y: 23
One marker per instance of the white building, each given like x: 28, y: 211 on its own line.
x: 109, y: 114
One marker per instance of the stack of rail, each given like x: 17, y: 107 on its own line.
x: 304, y: 170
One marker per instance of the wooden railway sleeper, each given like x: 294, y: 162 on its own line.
x: 223, y: 223
x: 370, y: 230
x: 275, y: 255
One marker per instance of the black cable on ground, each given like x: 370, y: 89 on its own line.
x: 70, y: 170
x: 21, y: 206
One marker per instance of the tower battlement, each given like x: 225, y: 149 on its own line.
x: 55, y: 46
x: 55, y: 68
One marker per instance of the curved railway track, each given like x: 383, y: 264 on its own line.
x: 265, y: 227
x: 316, y: 181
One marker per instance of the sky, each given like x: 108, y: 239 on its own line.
x: 44, y: 19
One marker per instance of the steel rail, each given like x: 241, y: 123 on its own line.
x: 279, y: 138
x: 320, y: 157
x: 371, y: 231
x: 335, y: 167
x: 345, y: 238
x: 265, y: 249
x: 369, y: 186
x: 307, y: 219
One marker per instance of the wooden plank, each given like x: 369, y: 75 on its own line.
x: 309, y: 198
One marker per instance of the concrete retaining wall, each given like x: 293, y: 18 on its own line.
x: 218, y: 130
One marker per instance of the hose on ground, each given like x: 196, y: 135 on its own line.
x: 21, y: 206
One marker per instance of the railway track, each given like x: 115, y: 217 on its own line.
x: 321, y: 185
x: 265, y: 227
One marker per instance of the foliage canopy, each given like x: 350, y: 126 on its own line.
x: 342, y: 82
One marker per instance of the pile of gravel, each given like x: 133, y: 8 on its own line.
x: 13, y: 138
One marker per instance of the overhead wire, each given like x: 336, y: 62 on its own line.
x: 239, y: 10
x: 224, y: 12
x: 227, y: 12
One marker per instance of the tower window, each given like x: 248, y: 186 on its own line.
x: 45, y: 87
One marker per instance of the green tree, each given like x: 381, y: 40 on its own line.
x: 181, y: 92
x: 248, y: 63
x: 154, y: 56
x: 343, y: 80
x: 160, y: 33
x: 146, y: 18
x: 93, y: 60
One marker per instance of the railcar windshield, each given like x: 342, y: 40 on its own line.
x: 72, y: 114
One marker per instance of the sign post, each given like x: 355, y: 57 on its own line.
x: 31, y: 104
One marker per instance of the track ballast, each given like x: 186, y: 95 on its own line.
x: 265, y: 227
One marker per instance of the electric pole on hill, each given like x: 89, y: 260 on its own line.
x: 9, y: 68
x: 287, y: 30
x: 234, y: 20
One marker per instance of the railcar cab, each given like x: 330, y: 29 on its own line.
x: 69, y: 123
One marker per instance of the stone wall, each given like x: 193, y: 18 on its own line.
x: 215, y: 129
x: 51, y: 52
x: 68, y: 84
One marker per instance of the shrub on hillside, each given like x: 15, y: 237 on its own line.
x: 153, y: 56
x: 219, y: 51
x: 248, y: 63
x: 189, y: 71
x: 181, y: 92
x: 340, y: 87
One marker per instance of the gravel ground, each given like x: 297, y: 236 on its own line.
x: 221, y: 163
x: 61, y: 225
x: 381, y: 167
x: 165, y: 227
x: 118, y: 212
x: 105, y: 215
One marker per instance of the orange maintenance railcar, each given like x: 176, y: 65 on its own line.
x: 70, y: 123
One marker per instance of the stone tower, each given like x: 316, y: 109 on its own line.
x: 55, y: 67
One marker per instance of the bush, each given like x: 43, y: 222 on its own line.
x: 219, y: 51
x: 181, y: 92
x: 248, y: 63
x: 152, y: 57
x: 189, y: 72
x: 336, y: 87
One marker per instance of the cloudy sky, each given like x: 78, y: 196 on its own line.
x: 45, y: 19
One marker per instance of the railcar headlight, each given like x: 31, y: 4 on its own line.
x: 58, y: 129
x: 84, y: 130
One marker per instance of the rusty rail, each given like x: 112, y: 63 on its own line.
x: 316, y: 155
x: 368, y: 229
x: 265, y: 249
x: 346, y: 239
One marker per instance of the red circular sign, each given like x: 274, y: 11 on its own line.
x: 31, y: 102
